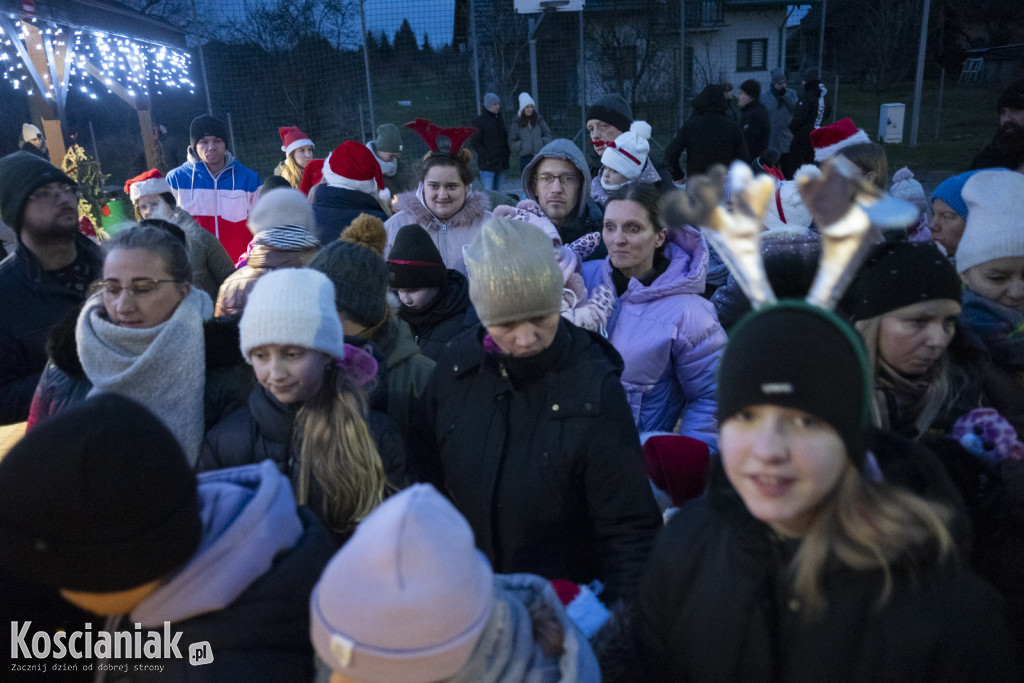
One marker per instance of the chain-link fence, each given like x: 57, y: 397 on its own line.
x: 261, y: 64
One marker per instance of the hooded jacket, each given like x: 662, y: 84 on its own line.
x: 587, y: 215
x: 670, y: 340
x: 449, y: 236
x: 709, y: 136
x: 541, y: 456
x: 336, y: 207
x: 220, y: 204
x: 246, y: 589
x: 716, y: 605
x: 34, y: 303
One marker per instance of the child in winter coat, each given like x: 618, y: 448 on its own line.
x: 990, y: 260
x: 410, y: 598
x: 622, y: 161
x: 435, y: 299
x: 589, y: 311
x: 100, y: 503
x: 309, y: 412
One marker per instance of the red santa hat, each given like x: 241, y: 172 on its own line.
x: 582, y: 605
x: 292, y: 138
x: 150, y: 182
x: 677, y: 464
x: 828, y: 140
x: 352, y: 166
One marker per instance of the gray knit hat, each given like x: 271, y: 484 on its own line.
x: 778, y: 76
x: 358, y: 271
x: 490, y: 99
x: 513, y: 274
x: 389, y: 138
x: 612, y: 109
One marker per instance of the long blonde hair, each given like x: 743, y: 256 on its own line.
x: 338, y: 452
x: 866, y: 525
x: 942, y: 379
x: 291, y: 171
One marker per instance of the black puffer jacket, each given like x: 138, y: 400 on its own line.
x: 715, y: 605
x: 541, y: 456
x: 451, y: 315
x: 263, y: 431
x: 805, y: 119
x: 709, y: 136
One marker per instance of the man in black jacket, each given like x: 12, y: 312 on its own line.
x: 491, y: 143
x: 754, y: 118
x: 45, y: 278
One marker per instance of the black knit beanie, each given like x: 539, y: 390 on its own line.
x: 898, y: 274
x: 360, y: 278
x: 99, y: 498
x: 414, y: 261
x: 204, y: 125
x: 799, y: 356
x: 21, y: 174
x: 612, y: 109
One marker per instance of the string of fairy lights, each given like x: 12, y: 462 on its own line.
x: 137, y: 66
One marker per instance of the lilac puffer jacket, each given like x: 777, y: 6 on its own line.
x: 670, y: 340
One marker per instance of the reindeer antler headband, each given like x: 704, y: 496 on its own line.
x: 433, y: 134
x: 848, y: 211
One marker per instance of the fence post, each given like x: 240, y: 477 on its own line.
x: 475, y: 57
x: 366, y: 65
x: 682, y: 64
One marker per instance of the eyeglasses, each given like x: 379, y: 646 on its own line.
x: 549, y: 179
x: 112, y: 288
x: 51, y: 193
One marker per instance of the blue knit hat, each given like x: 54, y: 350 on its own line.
x: 949, y: 191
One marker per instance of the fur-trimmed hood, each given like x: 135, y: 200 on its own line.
x: 473, y: 210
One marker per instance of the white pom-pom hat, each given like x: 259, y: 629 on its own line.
x: 628, y: 153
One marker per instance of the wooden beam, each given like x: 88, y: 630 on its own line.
x: 113, y: 86
x: 54, y: 134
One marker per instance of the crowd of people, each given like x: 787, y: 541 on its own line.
x: 362, y: 422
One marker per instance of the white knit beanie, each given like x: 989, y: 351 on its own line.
x: 280, y: 207
x: 628, y: 153
x: 30, y: 132
x: 406, y: 598
x: 995, y: 224
x: 292, y: 306
x: 524, y: 101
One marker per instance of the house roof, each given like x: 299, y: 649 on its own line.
x: 106, y: 16
x: 757, y: 4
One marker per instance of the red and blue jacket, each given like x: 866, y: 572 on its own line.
x: 220, y: 204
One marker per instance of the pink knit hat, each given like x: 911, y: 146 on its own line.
x: 406, y: 598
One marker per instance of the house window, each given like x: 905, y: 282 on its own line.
x: 620, y: 63
x: 752, y: 55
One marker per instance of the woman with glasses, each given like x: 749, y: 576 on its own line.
x: 147, y: 333
x: 668, y: 334
x: 444, y: 204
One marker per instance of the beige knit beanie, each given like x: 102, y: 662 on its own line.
x: 513, y: 274
x: 995, y: 225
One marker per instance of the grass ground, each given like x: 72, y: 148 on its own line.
x: 966, y: 123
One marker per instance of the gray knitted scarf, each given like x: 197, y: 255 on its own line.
x: 162, y: 367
